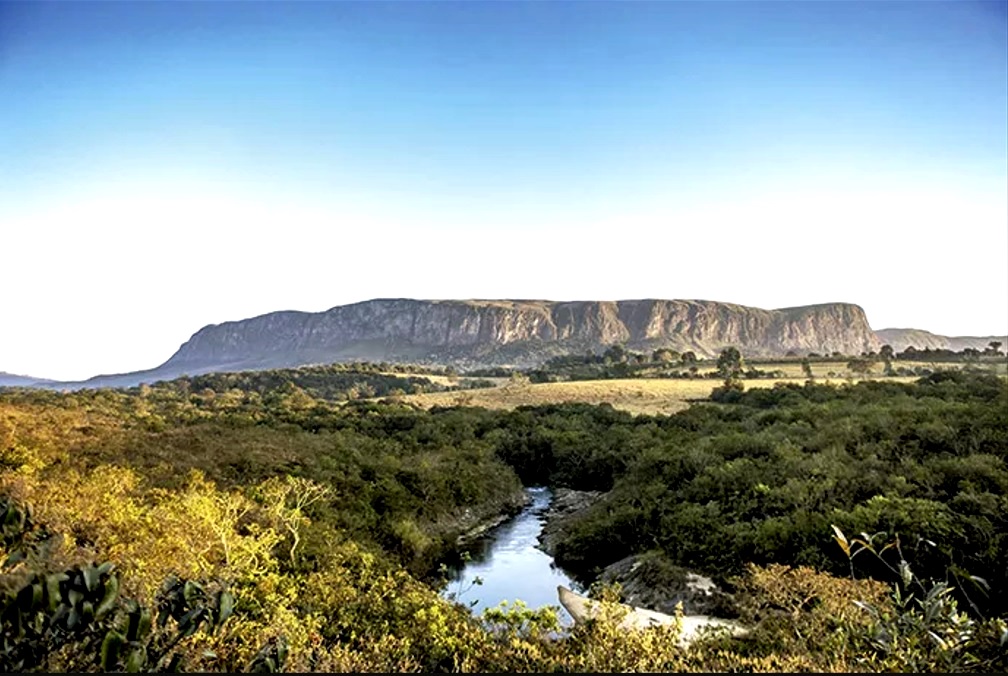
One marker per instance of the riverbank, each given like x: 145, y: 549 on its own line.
x: 567, y: 506
x: 476, y: 525
x: 505, y: 563
x: 648, y: 580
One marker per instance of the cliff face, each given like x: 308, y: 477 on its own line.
x: 516, y: 332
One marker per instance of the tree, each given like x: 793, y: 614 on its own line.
x: 860, y: 365
x: 806, y: 368
x: 689, y: 357
x: 729, y: 363
x: 886, y: 352
x: 615, y: 354
x: 287, y: 499
x: 664, y: 355
x: 994, y: 348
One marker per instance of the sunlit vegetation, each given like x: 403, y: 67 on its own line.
x: 634, y: 395
x: 761, y: 479
x: 268, y: 522
x: 330, y: 382
x: 618, y: 362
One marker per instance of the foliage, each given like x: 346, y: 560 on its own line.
x: 329, y: 382
x: 313, y: 528
x: 761, y: 479
x: 76, y: 619
x: 919, y: 627
x: 730, y: 363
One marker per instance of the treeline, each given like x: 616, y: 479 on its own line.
x: 968, y: 354
x: 330, y: 382
x: 616, y: 361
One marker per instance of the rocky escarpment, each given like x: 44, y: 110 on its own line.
x: 516, y: 332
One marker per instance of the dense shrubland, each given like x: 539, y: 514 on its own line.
x: 761, y: 480
x: 323, y: 524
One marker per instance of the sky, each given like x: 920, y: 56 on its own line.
x: 170, y: 164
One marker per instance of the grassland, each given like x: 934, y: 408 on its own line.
x: 634, y: 395
x: 637, y: 395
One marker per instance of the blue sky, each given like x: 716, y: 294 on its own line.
x: 164, y: 165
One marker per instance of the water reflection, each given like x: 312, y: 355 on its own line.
x: 511, y: 567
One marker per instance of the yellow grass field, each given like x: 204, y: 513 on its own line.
x: 644, y: 395
x: 635, y: 395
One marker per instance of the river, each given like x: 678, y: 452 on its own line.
x: 510, y: 566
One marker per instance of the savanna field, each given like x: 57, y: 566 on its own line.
x: 268, y: 521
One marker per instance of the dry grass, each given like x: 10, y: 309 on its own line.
x: 634, y: 395
x: 640, y: 395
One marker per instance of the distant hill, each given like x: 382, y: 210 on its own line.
x: 900, y: 339
x: 517, y: 333
x: 11, y: 380
x: 469, y: 333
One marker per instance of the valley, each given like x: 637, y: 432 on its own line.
x: 700, y: 367
x: 326, y: 498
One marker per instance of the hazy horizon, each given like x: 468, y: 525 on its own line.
x: 164, y: 166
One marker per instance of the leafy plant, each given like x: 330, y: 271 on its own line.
x: 921, y: 627
x: 52, y: 610
x: 79, y: 615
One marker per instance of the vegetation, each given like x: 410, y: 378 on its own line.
x: 331, y: 382
x: 241, y: 523
x: 762, y: 479
x: 969, y: 354
x: 635, y: 395
x: 617, y: 363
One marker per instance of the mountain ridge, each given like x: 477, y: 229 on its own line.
x: 15, y: 380
x: 517, y: 332
x: 470, y: 333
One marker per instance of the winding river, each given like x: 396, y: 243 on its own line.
x: 510, y: 566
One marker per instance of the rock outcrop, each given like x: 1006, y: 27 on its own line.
x: 650, y: 580
x: 566, y: 507
x: 692, y: 628
x: 515, y: 332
